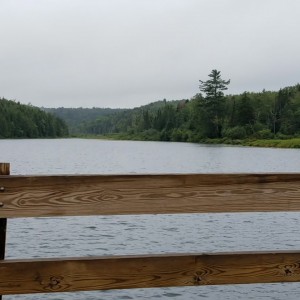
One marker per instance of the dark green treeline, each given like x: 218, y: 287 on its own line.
x: 78, y: 118
x: 26, y: 121
x: 261, y: 115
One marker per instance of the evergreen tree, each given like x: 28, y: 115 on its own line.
x: 245, y: 114
x: 26, y: 121
x: 214, y: 87
x: 213, y: 103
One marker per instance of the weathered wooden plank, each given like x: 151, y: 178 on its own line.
x: 103, y: 273
x: 42, y: 196
x: 4, y: 170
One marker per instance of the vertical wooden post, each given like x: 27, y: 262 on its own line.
x: 4, y: 170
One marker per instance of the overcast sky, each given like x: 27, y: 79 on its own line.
x: 126, y: 53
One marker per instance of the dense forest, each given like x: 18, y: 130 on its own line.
x: 26, y: 121
x: 208, y: 115
x: 78, y: 118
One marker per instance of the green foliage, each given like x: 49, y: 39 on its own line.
x: 245, y: 113
x: 212, y: 107
x: 214, y: 87
x: 237, y: 132
x: 264, y: 134
x: 290, y: 143
x: 77, y: 118
x: 26, y: 121
x: 214, y: 116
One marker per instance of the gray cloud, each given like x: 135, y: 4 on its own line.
x: 125, y: 53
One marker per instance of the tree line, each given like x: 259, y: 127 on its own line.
x: 208, y: 115
x: 78, y: 118
x: 26, y: 121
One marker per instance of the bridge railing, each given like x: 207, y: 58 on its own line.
x: 81, y: 195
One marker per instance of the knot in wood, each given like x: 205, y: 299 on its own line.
x: 55, y: 282
x: 197, y: 279
x: 2, y: 189
x: 288, y: 271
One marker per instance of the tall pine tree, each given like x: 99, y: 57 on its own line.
x: 213, y: 102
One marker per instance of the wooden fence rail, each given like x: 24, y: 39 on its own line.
x: 78, y: 195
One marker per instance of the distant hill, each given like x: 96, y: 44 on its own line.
x: 106, y: 120
x: 77, y: 118
x: 81, y: 120
x: 26, y: 121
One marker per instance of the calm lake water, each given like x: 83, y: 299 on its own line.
x: 85, y: 236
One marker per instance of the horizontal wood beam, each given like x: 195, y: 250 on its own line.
x: 43, y: 196
x: 103, y: 273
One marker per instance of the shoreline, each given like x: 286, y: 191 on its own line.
x: 292, y: 143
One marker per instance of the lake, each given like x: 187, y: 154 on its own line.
x: 85, y: 236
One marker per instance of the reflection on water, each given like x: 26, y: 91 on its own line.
x: 106, y: 235
x: 97, y: 156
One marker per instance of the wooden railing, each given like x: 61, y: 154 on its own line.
x: 78, y: 195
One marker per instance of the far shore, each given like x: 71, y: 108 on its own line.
x: 269, y: 143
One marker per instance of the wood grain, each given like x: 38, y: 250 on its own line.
x: 4, y: 168
x: 43, y: 196
x: 103, y: 273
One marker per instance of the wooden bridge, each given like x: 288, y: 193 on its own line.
x: 79, y: 195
